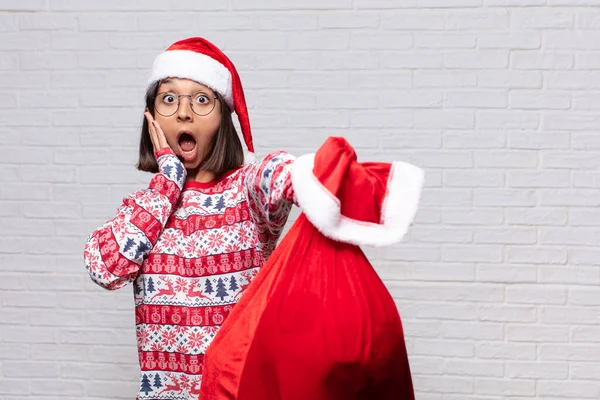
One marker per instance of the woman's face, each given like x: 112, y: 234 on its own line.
x: 188, y: 134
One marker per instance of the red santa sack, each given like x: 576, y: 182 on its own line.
x: 317, y: 322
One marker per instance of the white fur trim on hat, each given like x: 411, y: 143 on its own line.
x: 323, y: 209
x: 195, y: 66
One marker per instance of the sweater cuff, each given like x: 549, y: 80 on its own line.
x: 161, y: 152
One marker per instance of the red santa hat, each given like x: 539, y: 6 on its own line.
x: 199, y: 60
x: 368, y: 203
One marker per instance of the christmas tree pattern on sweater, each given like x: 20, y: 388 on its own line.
x: 190, y: 249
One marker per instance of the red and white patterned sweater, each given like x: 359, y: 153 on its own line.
x: 190, y: 249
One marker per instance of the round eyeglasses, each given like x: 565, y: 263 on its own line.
x: 167, y: 103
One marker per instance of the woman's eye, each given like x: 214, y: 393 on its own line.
x: 201, y: 99
x: 168, y: 98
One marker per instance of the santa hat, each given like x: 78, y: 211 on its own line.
x: 199, y: 60
x: 359, y: 203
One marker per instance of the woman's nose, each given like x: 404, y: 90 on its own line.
x: 185, y: 108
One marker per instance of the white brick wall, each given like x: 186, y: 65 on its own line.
x: 497, y: 283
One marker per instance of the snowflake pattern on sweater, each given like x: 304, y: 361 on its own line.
x: 190, y: 249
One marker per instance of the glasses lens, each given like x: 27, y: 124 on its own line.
x: 202, y: 103
x: 166, y: 104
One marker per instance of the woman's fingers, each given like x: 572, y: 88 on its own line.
x: 160, y: 135
x: 152, y: 131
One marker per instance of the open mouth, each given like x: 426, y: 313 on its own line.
x: 188, y: 146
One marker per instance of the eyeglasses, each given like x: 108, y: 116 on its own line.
x: 167, y: 103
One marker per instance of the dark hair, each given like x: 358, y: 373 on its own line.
x: 226, y: 151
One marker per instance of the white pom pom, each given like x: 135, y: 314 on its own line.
x: 249, y: 158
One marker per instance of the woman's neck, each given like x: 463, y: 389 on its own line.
x: 199, y: 175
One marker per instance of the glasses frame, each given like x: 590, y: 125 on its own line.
x: 179, y: 96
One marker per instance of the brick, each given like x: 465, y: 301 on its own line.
x: 73, y: 5
x: 420, y: 271
x: 568, y: 389
x: 527, y: 179
x: 468, y: 330
x: 569, y: 352
x: 537, y: 370
x: 365, y: 40
x: 504, y: 197
x: 442, y: 119
x: 584, y: 297
x: 572, y: 40
x: 539, y: 18
x: 29, y: 335
x: 420, y: 98
x: 488, y: 119
x: 587, y: 61
x: 15, y: 387
x: 413, y: 253
x: 427, y: 365
x: 513, y: 387
x: 113, y: 354
x: 580, y: 370
x: 537, y: 255
x: 507, y: 313
x: 510, y: 79
x: 446, y: 40
x: 473, y: 253
x: 585, y: 334
x: 479, y: 140
x: 409, y: 139
x: 573, y: 275
x: 416, y: 59
x: 573, y: 315
x: 514, y: 40
x: 439, y: 79
x: 57, y: 387
x: 565, y: 197
x: 511, y: 273
x: 474, y: 179
x: 537, y: 60
x: 20, y: 369
x: 477, y: 20
x: 569, y: 160
x: 526, y: 100
x: 446, y: 384
x: 61, y: 174
x: 480, y: 59
x: 506, y: 351
x: 515, y: 3
x: 291, y: 5
x: 450, y: 348
x: 583, y: 256
x: 538, y: 141
x: 583, y: 217
x: 437, y: 291
x: 460, y: 312
x: 505, y: 235
x: 476, y: 99
x: 541, y: 334
x: 320, y: 40
x: 472, y: 217
x: 409, y: 19
x: 344, y: 20
x: 572, y: 80
x: 441, y: 235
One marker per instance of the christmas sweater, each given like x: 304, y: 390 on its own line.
x: 190, y: 249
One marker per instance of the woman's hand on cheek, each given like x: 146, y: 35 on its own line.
x: 157, y: 136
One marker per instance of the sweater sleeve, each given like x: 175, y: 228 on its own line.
x: 269, y: 191
x: 115, y: 251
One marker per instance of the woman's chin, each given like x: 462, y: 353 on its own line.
x: 191, y: 164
